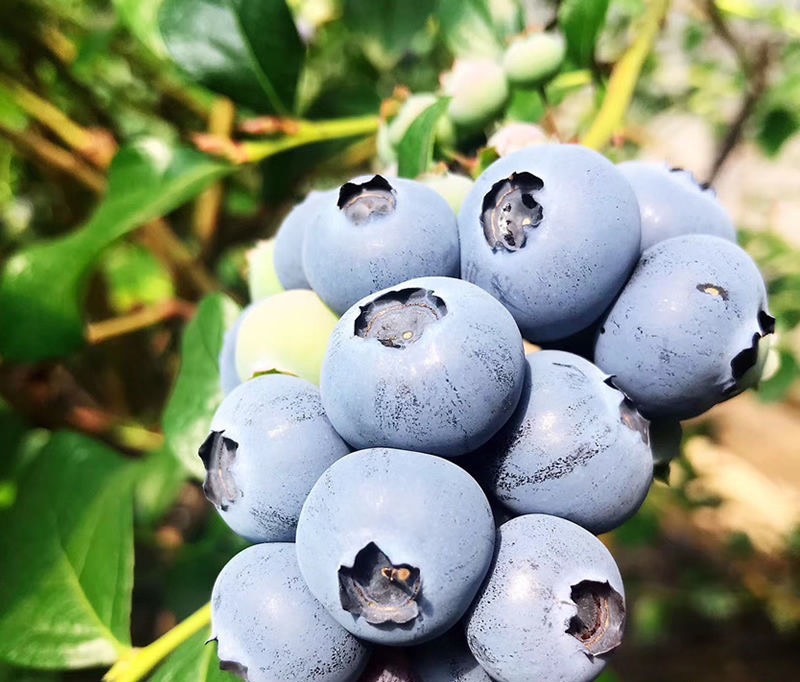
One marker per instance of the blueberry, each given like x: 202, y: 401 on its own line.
x: 576, y: 447
x: 269, y: 628
x: 270, y: 440
x: 446, y: 659
x: 434, y: 364
x: 685, y: 332
x: 672, y: 203
x: 552, y: 232
x: 552, y: 606
x: 395, y: 543
x: 289, y: 239
x: 376, y: 233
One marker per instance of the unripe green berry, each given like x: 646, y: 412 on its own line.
x: 478, y: 90
x: 534, y: 57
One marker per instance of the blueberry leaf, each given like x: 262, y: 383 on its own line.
x: 385, y: 30
x: 248, y: 50
x: 468, y: 29
x: 140, y: 18
x: 581, y: 22
x: 415, y: 151
x: 42, y: 286
x: 197, y: 392
x: 193, y: 660
x: 67, y: 548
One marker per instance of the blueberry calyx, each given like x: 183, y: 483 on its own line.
x: 746, y: 359
x: 509, y: 210
x: 377, y: 589
x: 713, y: 290
x: 702, y: 186
x: 218, y: 453
x: 399, y: 318
x: 629, y: 415
x: 599, y: 621
x: 367, y: 200
x: 235, y: 668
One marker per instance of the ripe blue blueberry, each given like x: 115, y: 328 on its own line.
x: 552, y: 232
x: 446, y: 659
x: 672, y: 203
x: 552, y: 606
x: 576, y: 447
x: 685, y: 333
x: 270, y: 440
x: 395, y: 543
x: 289, y: 239
x: 434, y: 364
x: 376, y: 233
x: 269, y: 628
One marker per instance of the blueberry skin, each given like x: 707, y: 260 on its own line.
x: 289, y: 239
x: 684, y: 333
x: 517, y: 627
x: 422, y: 512
x: 573, y: 243
x: 269, y: 628
x: 575, y: 447
x: 270, y: 440
x: 672, y: 203
x: 346, y: 260
x: 446, y: 659
x: 446, y: 393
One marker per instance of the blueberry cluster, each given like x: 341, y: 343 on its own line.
x: 441, y: 490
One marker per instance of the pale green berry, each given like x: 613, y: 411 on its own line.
x: 534, y: 57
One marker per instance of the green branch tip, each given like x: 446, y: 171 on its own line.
x: 624, y: 77
x: 135, y: 664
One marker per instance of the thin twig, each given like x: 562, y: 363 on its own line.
x: 207, y: 205
x: 99, y: 332
x: 51, y: 155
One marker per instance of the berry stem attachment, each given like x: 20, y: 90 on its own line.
x: 624, y: 76
x: 135, y: 664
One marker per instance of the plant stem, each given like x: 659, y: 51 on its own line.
x: 298, y: 134
x: 207, y: 205
x: 623, y: 78
x: 137, y: 663
x: 49, y: 154
x: 98, y: 332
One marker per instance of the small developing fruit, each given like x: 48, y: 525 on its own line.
x: 477, y: 89
x: 532, y: 58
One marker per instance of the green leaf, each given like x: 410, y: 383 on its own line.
x: 415, y: 151
x: 134, y: 277
x: 141, y: 19
x: 385, y: 30
x: 468, y: 29
x: 581, y: 21
x: 777, y: 126
x: 197, y: 392
x: 248, y: 50
x: 41, y: 287
x: 159, y: 479
x: 193, y: 660
x: 67, y: 566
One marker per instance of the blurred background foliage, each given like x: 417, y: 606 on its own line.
x: 94, y: 324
